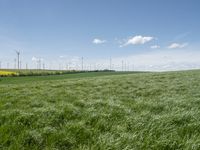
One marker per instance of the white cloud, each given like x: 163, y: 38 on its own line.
x: 160, y: 60
x: 61, y: 56
x: 138, y: 40
x: 98, y: 41
x: 177, y: 45
x: 155, y: 46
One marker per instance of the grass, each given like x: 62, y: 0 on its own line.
x: 72, y: 75
x: 124, y: 111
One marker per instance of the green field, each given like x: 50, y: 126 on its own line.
x: 103, y: 111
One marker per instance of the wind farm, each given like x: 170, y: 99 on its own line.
x: 99, y: 75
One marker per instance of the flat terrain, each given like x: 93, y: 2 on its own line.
x: 101, y: 111
x: 25, y: 79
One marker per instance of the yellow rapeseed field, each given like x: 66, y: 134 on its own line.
x: 7, y: 73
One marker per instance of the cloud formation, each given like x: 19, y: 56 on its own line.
x: 138, y: 40
x: 155, y: 46
x: 160, y: 60
x: 177, y: 45
x: 98, y: 41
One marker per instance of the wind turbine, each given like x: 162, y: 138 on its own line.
x: 18, y: 58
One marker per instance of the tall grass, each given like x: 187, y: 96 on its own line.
x: 136, y: 111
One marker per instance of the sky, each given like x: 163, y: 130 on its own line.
x: 156, y: 35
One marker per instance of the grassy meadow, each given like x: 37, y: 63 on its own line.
x: 101, y: 111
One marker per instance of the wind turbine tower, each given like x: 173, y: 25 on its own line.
x: 18, y: 59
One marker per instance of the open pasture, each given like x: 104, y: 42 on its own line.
x: 124, y: 111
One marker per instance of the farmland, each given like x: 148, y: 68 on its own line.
x: 33, y: 72
x: 102, y: 110
x: 7, y: 73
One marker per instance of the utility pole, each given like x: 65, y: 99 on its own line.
x: 18, y: 59
x: 0, y: 64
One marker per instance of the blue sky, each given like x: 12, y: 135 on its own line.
x: 135, y: 31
